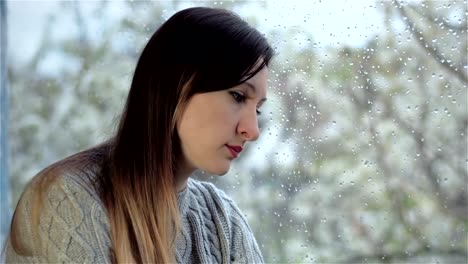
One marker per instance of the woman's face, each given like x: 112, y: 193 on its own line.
x: 215, y: 126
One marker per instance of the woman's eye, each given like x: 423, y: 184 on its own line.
x: 259, y: 112
x: 238, y: 97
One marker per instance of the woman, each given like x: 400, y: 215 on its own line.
x: 193, y: 104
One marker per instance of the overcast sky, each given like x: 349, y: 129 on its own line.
x: 331, y: 22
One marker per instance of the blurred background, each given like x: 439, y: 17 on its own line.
x: 363, y: 153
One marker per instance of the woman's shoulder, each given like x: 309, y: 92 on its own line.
x: 79, y: 187
x: 63, y: 205
x: 56, y: 181
x: 61, y: 191
x: 209, y: 190
x: 211, y: 196
x: 74, y: 176
x: 244, y: 248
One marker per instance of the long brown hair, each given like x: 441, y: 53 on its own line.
x: 197, y: 50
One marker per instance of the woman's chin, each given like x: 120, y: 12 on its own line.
x: 218, y: 171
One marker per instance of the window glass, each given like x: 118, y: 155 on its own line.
x: 363, y: 152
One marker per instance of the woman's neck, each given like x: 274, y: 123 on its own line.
x: 181, y: 176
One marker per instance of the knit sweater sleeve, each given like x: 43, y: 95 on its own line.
x: 73, y: 226
x: 244, y: 247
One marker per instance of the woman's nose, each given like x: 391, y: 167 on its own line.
x: 248, y: 127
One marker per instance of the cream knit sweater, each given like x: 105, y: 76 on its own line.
x: 74, y: 227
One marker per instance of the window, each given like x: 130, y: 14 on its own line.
x: 363, y: 153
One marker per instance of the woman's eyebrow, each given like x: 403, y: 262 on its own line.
x: 252, y: 87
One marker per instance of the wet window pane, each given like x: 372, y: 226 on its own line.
x: 363, y: 152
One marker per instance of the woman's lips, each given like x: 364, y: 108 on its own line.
x: 235, y: 150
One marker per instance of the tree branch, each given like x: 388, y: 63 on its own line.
x: 442, y: 22
x: 432, y: 50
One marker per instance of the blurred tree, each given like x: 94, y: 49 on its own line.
x: 377, y: 166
